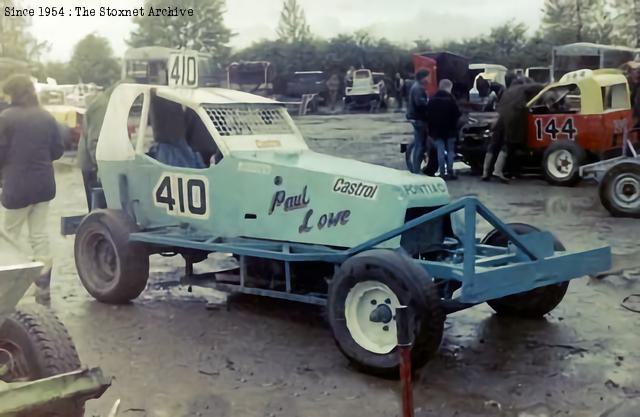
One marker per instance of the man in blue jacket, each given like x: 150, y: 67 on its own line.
x: 29, y: 143
x: 417, y: 115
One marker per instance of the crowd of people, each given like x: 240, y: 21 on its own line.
x: 436, y: 122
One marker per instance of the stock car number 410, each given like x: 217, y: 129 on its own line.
x: 183, y: 195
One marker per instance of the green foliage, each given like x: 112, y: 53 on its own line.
x: 59, y: 71
x: 627, y: 21
x: 204, y: 31
x: 293, y: 25
x: 15, y: 40
x: 93, y: 61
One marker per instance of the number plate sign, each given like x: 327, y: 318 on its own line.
x: 183, y: 195
x: 183, y: 69
x: 555, y: 128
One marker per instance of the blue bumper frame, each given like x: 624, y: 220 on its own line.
x: 484, y: 272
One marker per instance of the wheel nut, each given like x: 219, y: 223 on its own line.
x: 387, y: 301
x: 385, y: 328
x: 374, y: 302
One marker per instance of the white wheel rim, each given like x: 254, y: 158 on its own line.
x: 626, y: 191
x: 560, y: 164
x: 369, y: 311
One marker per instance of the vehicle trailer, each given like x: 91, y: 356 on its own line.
x: 619, y: 178
x: 583, y: 55
x: 31, y: 382
x: 447, y: 65
x: 358, y: 239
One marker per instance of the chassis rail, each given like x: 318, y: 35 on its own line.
x: 597, y: 170
x: 484, y: 272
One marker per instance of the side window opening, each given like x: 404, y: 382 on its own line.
x: 180, y: 138
x: 615, y: 97
x: 565, y: 99
x: 133, y: 124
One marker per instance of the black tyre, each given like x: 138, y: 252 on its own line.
x: 363, y: 296
x: 620, y: 190
x: 534, y: 303
x: 112, y: 269
x: 561, y: 163
x: 36, y: 345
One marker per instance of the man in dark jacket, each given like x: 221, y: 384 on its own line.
x: 442, y: 118
x: 417, y: 115
x: 510, y: 132
x: 29, y: 142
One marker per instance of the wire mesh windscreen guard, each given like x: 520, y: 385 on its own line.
x: 247, y: 119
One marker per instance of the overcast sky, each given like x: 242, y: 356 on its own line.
x: 398, y: 20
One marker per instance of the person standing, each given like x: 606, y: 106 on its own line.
x: 399, y: 89
x: 29, y: 143
x: 417, y: 115
x: 91, y: 126
x: 510, y: 131
x: 442, y: 119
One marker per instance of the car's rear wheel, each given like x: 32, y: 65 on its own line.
x: 34, y: 344
x: 112, y: 269
x: 620, y: 190
x: 363, y: 297
x: 530, y: 304
x: 561, y: 163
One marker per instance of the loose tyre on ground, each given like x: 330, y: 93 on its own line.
x: 531, y: 304
x: 36, y: 345
x: 363, y: 297
x: 620, y: 190
x: 111, y: 268
x: 561, y: 163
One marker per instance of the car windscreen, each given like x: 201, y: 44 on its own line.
x: 248, y: 119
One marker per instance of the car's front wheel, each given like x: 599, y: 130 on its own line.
x: 363, y: 297
x: 561, y: 163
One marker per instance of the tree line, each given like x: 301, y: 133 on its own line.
x: 296, y: 48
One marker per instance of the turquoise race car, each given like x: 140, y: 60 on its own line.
x: 193, y: 171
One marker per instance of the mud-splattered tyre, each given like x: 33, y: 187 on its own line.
x: 561, y: 163
x: 112, y: 269
x: 362, y: 299
x: 37, y: 345
x: 620, y: 190
x: 534, y: 303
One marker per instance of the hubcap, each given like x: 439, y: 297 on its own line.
x: 626, y: 191
x: 561, y: 163
x: 370, y: 315
x: 104, y: 260
x: 13, y: 366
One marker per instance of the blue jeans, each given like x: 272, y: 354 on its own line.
x: 415, y: 151
x: 450, y: 145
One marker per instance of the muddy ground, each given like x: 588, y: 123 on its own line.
x: 171, y: 356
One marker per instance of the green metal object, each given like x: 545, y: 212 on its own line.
x: 17, y: 273
x: 24, y: 396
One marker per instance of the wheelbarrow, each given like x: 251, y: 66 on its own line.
x: 40, y: 372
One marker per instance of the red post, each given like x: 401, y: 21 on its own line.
x: 404, y: 351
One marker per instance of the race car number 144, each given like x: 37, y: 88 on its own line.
x: 183, y: 195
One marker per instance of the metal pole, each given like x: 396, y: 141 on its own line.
x: 404, y: 350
